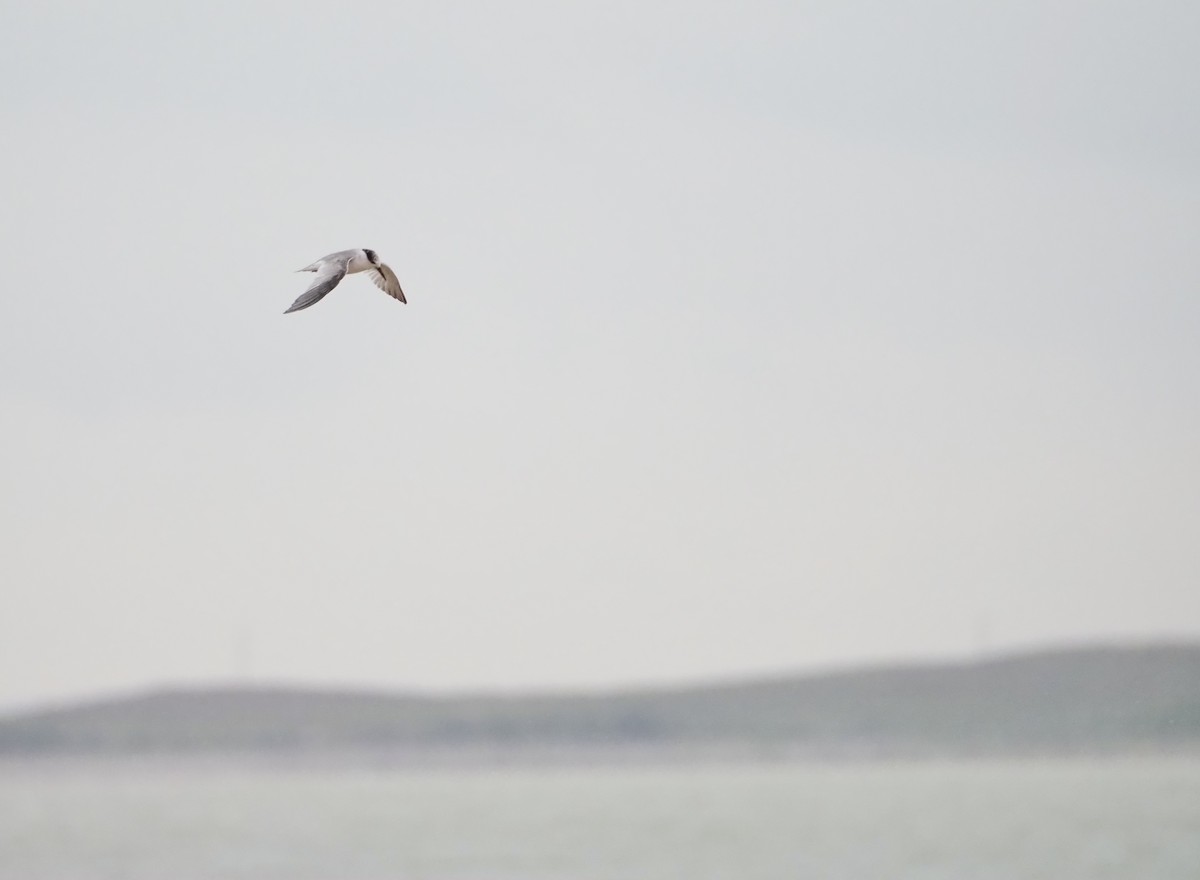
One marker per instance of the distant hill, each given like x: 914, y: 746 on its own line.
x: 1070, y: 701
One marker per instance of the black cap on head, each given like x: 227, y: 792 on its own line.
x: 371, y: 255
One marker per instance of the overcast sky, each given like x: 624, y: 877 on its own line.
x: 741, y: 338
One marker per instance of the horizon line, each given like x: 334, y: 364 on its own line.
x: 704, y: 682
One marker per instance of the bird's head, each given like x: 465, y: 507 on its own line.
x: 372, y: 257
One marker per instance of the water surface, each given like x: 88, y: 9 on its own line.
x: 958, y: 820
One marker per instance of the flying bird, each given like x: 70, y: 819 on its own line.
x: 333, y: 268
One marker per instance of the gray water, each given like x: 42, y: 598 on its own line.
x: 967, y: 820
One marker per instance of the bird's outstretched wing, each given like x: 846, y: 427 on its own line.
x: 327, y: 279
x: 385, y: 279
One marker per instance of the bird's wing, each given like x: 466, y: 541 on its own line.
x: 328, y: 276
x: 385, y: 279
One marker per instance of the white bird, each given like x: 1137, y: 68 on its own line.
x: 333, y: 268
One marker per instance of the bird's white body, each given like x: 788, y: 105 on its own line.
x: 358, y: 263
x: 333, y: 268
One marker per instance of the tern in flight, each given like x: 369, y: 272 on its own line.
x: 333, y: 268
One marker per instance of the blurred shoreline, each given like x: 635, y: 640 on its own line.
x: 1095, y: 703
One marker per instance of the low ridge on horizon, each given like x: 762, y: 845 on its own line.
x: 1078, y: 699
x: 250, y: 684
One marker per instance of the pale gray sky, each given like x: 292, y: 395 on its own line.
x: 741, y: 338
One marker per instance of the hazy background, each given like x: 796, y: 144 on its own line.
x: 740, y: 337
